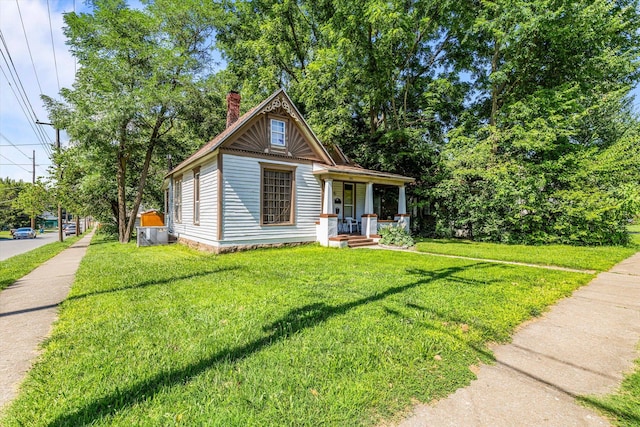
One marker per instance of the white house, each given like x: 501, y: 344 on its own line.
x: 267, y: 180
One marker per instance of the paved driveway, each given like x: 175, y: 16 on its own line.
x: 10, y: 247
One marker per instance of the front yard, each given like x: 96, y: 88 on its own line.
x: 298, y: 336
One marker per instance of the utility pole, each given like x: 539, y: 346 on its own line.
x: 60, y: 238
x: 33, y: 181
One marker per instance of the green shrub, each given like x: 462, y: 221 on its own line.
x: 395, y: 236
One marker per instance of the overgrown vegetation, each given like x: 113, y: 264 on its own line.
x: 395, y: 236
x: 271, y: 336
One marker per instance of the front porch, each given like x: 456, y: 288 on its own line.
x: 348, y: 205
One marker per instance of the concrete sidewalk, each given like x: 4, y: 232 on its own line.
x: 582, y: 346
x: 28, y: 308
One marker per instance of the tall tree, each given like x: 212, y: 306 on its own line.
x: 11, y: 217
x: 550, y: 80
x: 33, y: 200
x: 137, y: 71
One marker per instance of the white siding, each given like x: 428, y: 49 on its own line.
x: 241, y: 201
x: 337, y: 193
x: 361, y: 193
x: 205, y: 232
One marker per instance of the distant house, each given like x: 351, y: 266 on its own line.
x: 268, y: 180
x: 49, y: 220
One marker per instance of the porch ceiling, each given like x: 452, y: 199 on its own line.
x: 356, y: 174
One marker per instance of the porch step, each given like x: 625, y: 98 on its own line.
x: 355, y: 241
x: 361, y: 242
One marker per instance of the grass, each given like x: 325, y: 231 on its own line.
x: 599, y: 258
x: 18, y: 266
x: 296, y: 336
x: 634, y: 228
x: 623, y: 407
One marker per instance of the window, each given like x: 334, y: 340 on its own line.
x: 277, y: 196
x: 177, y: 200
x: 348, y: 200
x: 277, y: 133
x: 196, y: 196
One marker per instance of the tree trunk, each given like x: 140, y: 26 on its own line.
x: 153, y: 140
x: 122, y: 203
x: 122, y: 182
x: 138, y: 200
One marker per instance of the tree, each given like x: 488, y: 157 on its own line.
x: 138, y: 70
x: 551, y: 79
x: 11, y: 217
x: 33, y: 200
x: 370, y: 75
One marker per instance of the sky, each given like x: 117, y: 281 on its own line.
x: 33, y: 60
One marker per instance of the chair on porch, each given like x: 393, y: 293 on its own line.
x: 351, y: 223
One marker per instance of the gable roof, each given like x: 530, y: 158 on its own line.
x: 278, y: 99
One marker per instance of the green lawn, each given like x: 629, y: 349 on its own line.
x: 634, y: 228
x: 623, y: 407
x: 599, y: 258
x: 16, y: 267
x: 296, y: 336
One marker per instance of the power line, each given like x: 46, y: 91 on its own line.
x: 55, y: 62
x: 16, y: 147
x: 40, y: 135
x: 10, y: 161
x: 29, y: 47
x: 13, y: 72
x: 26, y: 114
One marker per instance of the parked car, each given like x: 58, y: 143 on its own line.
x: 24, y: 233
x: 70, y: 229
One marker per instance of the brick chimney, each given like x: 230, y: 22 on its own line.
x: 233, y: 107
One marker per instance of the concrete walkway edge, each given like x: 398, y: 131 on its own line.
x: 28, y: 308
x: 582, y: 347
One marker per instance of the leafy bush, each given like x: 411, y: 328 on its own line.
x: 108, y: 229
x: 395, y: 236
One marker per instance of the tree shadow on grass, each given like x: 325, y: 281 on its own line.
x: 156, y: 282
x: 296, y: 320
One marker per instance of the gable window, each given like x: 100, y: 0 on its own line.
x: 177, y: 200
x: 277, y: 195
x: 196, y: 196
x: 278, y: 133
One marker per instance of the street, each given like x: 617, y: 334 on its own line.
x: 10, y: 247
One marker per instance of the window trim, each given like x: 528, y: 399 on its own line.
x: 284, y: 133
x: 177, y: 199
x: 278, y: 168
x: 196, y: 196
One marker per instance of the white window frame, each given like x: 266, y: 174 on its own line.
x: 177, y: 200
x: 196, y: 197
x: 275, y: 132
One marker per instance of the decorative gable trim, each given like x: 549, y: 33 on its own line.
x: 279, y: 102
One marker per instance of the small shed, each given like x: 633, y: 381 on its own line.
x: 152, y: 218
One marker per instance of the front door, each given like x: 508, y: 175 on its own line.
x: 348, y: 201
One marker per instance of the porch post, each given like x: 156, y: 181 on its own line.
x: 369, y: 219
x: 402, y: 201
x: 327, y: 203
x: 328, y: 224
x: 368, y: 199
x: 402, y: 218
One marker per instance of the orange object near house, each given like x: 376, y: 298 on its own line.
x: 151, y: 218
